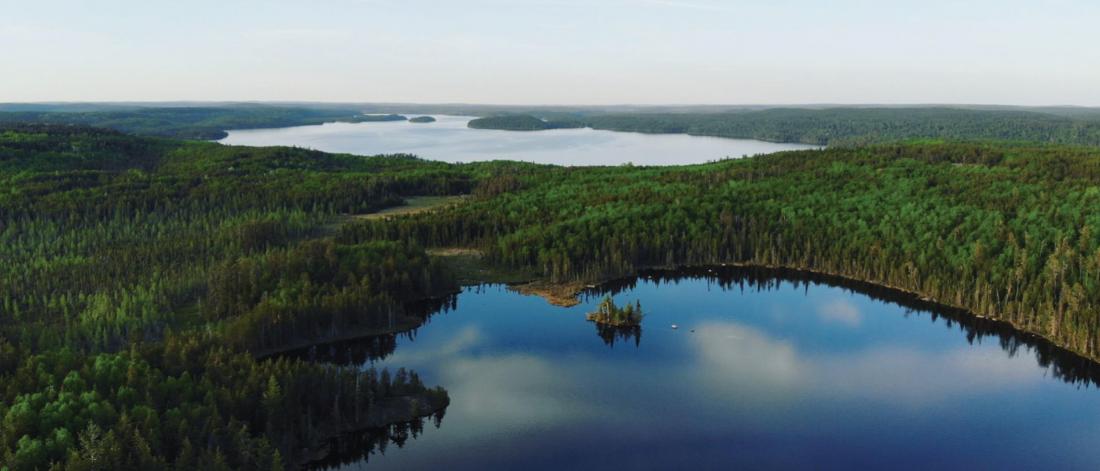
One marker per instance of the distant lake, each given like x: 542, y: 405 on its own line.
x: 448, y: 139
x: 765, y: 370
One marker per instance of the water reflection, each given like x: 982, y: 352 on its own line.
x: 1064, y: 365
x: 611, y: 333
x: 739, y: 360
x: 357, y: 448
x: 768, y: 369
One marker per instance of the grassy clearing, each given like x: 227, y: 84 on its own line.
x: 414, y: 205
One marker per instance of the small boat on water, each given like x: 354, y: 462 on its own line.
x: 674, y: 326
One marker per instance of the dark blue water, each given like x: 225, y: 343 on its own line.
x: 760, y: 373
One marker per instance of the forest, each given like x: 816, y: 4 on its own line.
x: 191, y: 122
x: 831, y: 126
x: 819, y: 126
x: 369, y: 118
x: 519, y: 122
x: 1005, y: 231
x: 145, y: 277
x: 149, y: 280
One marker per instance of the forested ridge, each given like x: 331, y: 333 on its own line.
x: 520, y: 122
x: 193, y: 122
x: 819, y: 126
x: 830, y: 126
x: 145, y: 277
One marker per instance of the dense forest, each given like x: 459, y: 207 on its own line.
x: 192, y: 122
x: 143, y: 278
x: 819, y: 126
x: 147, y: 281
x: 1005, y: 231
x: 519, y: 122
x: 831, y: 126
x: 369, y: 118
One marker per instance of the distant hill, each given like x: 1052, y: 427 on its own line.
x: 520, y: 122
x: 811, y: 125
x: 833, y: 126
x: 369, y: 118
x: 206, y: 123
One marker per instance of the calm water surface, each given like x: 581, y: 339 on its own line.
x: 449, y: 140
x: 762, y: 372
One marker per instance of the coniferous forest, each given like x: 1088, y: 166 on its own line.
x: 400, y: 235
x: 147, y: 281
x: 820, y: 126
x: 829, y: 126
x: 142, y: 279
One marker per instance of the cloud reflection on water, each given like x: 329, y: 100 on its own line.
x: 733, y: 368
x: 734, y: 379
x: 735, y: 360
x: 840, y: 311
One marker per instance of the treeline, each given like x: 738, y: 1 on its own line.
x: 819, y: 126
x: 188, y: 404
x: 368, y: 118
x: 1062, y: 364
x: 609, y: 314
x: 320, y: 290
x: 190, y: 122
x: 1008, y: 232
x: 141, y: 277
x: 520, y: 122
x: 831, y: 126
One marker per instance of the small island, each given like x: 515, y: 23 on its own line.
x: 422, y: 119
x: 520, y: 122
x: 607, y: 313
x: 372, y: 118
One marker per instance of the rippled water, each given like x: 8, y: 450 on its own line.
x: 764, y: 370
x: 448, y: 139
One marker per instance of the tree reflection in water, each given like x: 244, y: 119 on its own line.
x: 1063, y: 364
x: 358, y: 447
x: 611, y: 333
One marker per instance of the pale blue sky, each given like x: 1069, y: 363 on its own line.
x: 554, y: 51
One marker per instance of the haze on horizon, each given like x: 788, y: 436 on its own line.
x: 554, y: 51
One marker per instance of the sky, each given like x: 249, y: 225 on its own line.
x: 563, y: 52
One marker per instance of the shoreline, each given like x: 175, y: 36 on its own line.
x: 406, y: 323
x: 391, y: 411
x: 566, y: 294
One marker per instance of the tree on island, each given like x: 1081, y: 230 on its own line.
x: 610, y: 314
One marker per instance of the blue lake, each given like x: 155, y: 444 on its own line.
x: 763, y: 371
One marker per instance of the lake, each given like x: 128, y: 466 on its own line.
x: 448, y: 139
x: 766, y: 369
